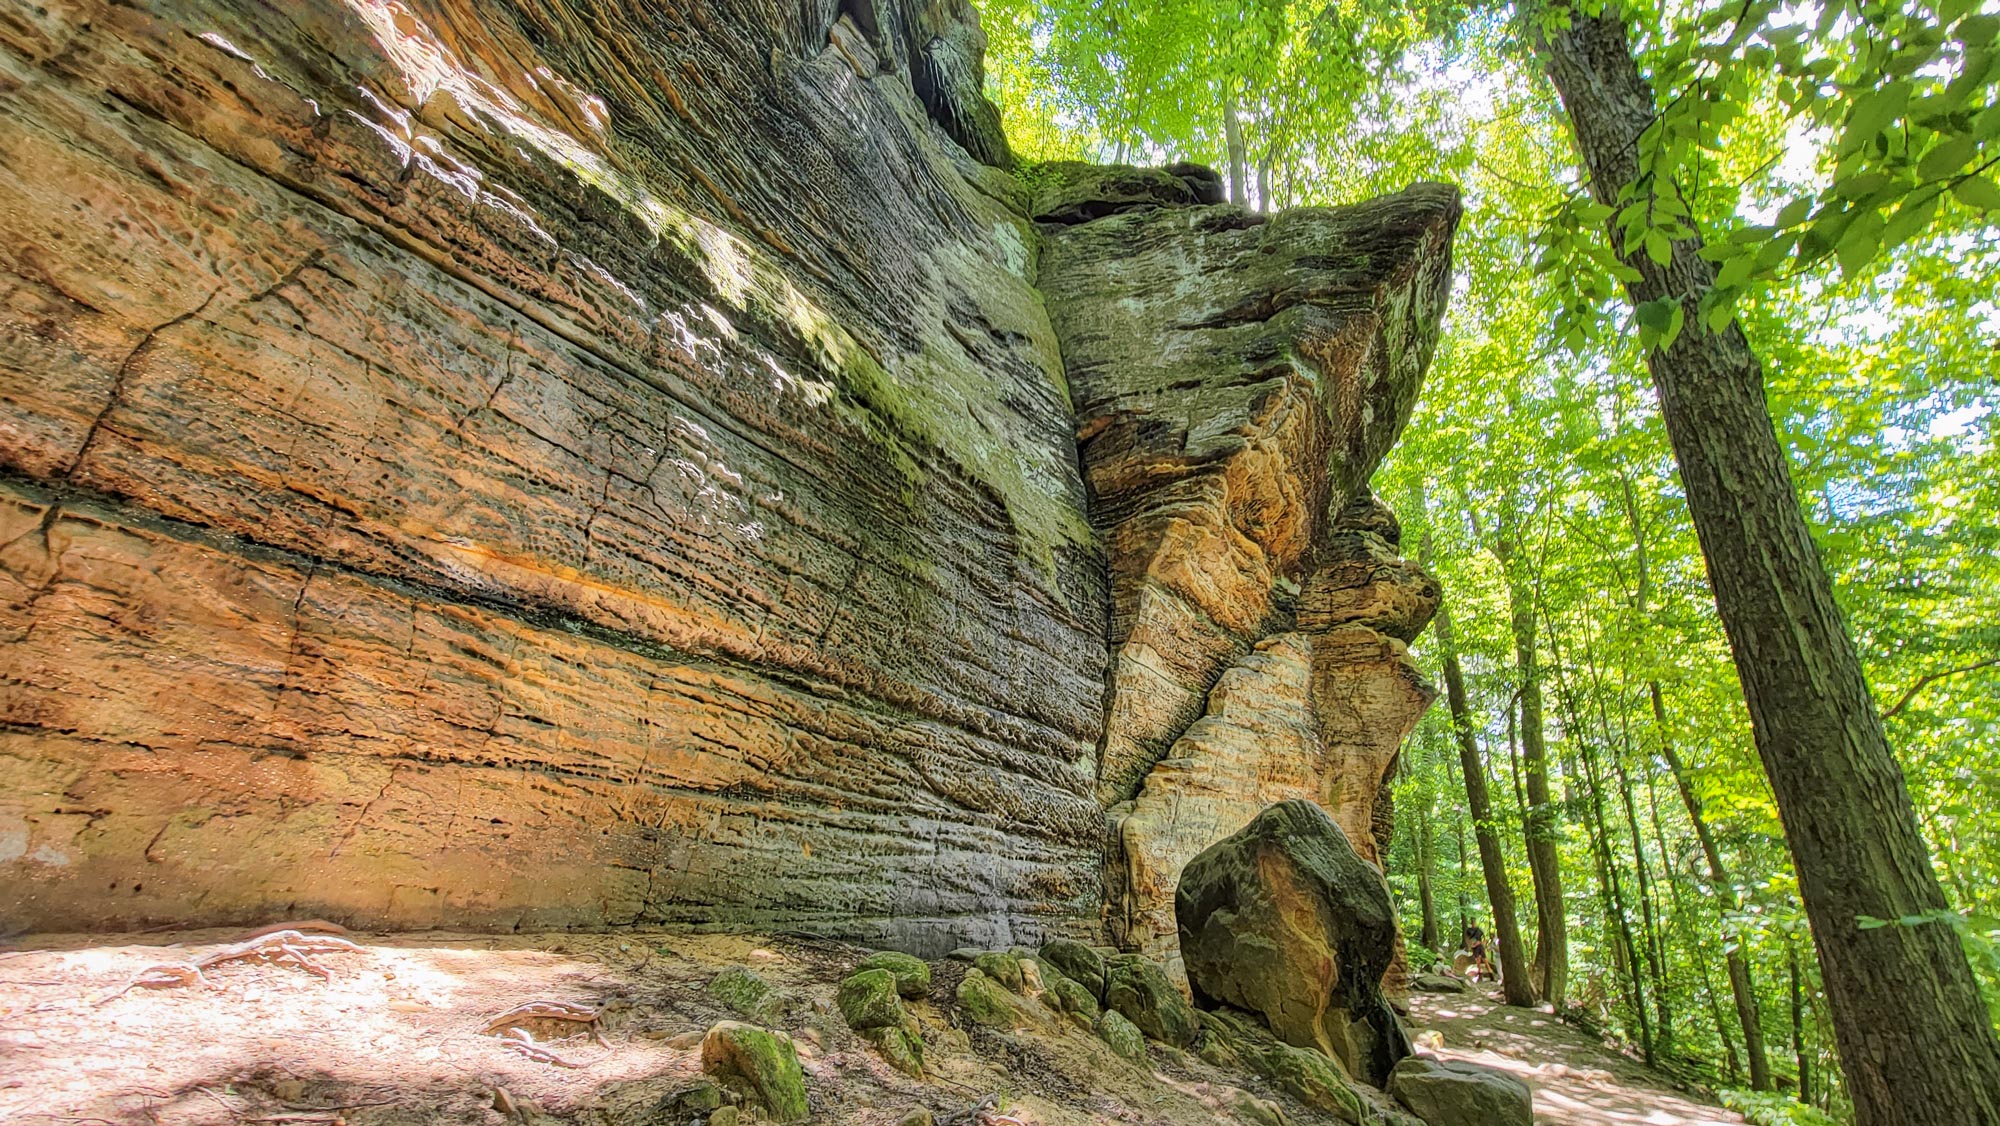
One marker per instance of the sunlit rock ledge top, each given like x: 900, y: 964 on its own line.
x: 551, y: 464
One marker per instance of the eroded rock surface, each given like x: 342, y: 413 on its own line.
x: 526, y: 463
x: 566, y: 464
x: 1285, y: 920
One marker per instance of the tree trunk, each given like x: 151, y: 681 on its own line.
x: 1909, y: 1023
x: 1799, y: 1025
x: 1514, y: 981
x: 1550, y: 969
x: 1426, y: 898
x: 1655, y: 947
x: 1232, y: 134
x: 1741, y: 987
x: 1734, y: 959
x: 1635, y: 989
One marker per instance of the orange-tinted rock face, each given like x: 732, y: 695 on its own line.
x: 552, y: 463
x: 485, y: 462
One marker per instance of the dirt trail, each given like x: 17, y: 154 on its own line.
x: 1576, y: 1079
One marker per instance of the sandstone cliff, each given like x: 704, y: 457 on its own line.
x: 561, y: 463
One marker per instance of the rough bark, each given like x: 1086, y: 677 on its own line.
x: 1515, y: 982
x: 1232, y: 134
x: 1911, y: 1029
x: 1741, y: 987
x: 1550, y: 967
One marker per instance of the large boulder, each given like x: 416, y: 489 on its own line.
x: 1285, y: 920
x: 759, y: 1064
x: 1456, y: 1093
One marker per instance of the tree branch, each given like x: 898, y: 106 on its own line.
x: 1926, y: 681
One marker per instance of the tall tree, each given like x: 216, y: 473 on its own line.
x: 1909, y: 1022
x: 1550, y: 967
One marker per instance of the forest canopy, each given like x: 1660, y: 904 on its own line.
x: 1827, y: 176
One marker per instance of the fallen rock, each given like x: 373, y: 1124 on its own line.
x: 1457, y: 1093
x: 1072, y: 997
x: 986, y: 1002
x: 913, y: 974
x: 1306, y: 1074
x: 1286, y: 921
x: 1140, y: 990
x: 868, y: 1000
x: 1123, y: 1036
x: 1438, y: 983
x: 1078, y: 962
x: 747, y: 994
x: 761, y: 1065
x: 902, y: 1046
x: 1003, y: 968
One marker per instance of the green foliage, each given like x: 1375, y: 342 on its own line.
x: 1765, y: 1108
x: 1839, y: 174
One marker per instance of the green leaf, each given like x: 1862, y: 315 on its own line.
x: 1659, y: 248
x: 1795, y: 212
x: 1874, y: 112
x: 1858, y: 246
x: 1655, y: 316
x: 1947, y: 157
x: 1978, y: 191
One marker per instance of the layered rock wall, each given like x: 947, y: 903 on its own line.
x: 529, y: 464
x: 1237, y: 379
x: 585, y: 462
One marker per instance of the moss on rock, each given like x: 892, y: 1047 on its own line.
x: 1138, y: 988
x: 761, y: 1064
x: 1122, y: 1035
x: 868, y: 1000
x: 913, y: 974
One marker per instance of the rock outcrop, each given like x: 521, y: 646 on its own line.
x: 533, y: 464
x: 548, y: 464
x: 1237, y: 378
x: 1285, y: 920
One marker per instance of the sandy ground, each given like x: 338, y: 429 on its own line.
x: 1576, y: 1079
x: 395, y: 1037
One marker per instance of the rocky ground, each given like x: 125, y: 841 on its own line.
x: 1577, y: 1080
x: 397, y: 1035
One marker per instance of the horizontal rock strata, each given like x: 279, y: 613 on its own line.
x: 584, y: 429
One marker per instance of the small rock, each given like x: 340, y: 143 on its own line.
x: 901, y: 1047
x: 1429, y: 1038
x: 985, y: 1001
x: 913, y: 975
x: 1078, y: 962
x: 1138, y: 988
x: 1437, y: 983
x: 1031, y: 977
x: 1248, y: 1108
x: 1074, y: 998
x: 1122, y: 1035
x: 685, y: 1041
x: 868, y: 1000
x: 1456, y: 1093
x: 1003, y: 968
x: 763, y: 1064
x: 916, y: 1116
x: 967, y: 954
x: 725, y: 1116
x: 1313, y: 1079
x: 745, y: 992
